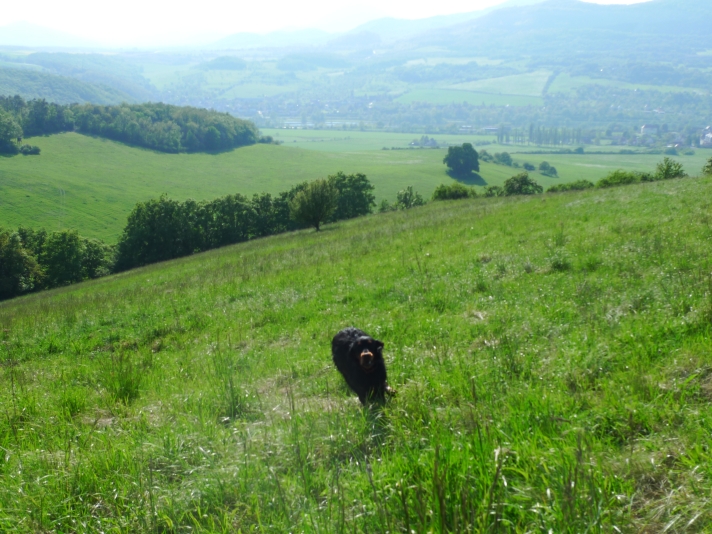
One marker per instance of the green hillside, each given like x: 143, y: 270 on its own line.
x: 60, y: 89
x: 551, y: 357
x: 91, y: 184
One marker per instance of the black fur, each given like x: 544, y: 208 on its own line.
x: 359, y: 358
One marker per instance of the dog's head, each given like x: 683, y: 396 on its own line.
x: 368, y: 352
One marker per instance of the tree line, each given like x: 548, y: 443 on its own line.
x: 152, y: 125
x: 162, y: 229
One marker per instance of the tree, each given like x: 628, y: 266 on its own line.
x: 503, y: 158
x: 19, y: 272
x: 707, y: 169
x: 9, y: 132
x: 355, y: 195
x: 62, y: 257
x: 407, y: 198
x: 521, y: 184
x: 315, y: 204
x: 668, y: 169
x: 462, y: 160
x: 529, y: 167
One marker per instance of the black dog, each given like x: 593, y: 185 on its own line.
x: 359, y: 358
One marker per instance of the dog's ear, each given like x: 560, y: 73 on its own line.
x: 379, y: 345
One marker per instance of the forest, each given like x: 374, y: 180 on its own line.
x: 157, y: 126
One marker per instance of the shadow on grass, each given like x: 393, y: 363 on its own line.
x: 471, y: 178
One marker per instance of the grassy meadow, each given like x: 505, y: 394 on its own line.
x: 551, y: 357
x: 91, y: 184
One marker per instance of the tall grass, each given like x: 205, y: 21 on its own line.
x: 551, y: 356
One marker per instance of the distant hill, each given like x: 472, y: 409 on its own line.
x: 60, y: 89
x: 574, y: 28
x: 391, y: 29
x: 98, y: 69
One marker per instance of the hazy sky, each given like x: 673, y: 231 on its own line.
x: 145, y: 22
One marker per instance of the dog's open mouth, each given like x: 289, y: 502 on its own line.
x: 366, y: 360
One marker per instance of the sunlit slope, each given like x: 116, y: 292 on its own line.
x: 92, y: 184
x: 551, y: 356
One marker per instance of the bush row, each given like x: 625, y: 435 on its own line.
x: 522, y: 184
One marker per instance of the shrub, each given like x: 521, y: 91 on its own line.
x: 529, y: 167
x: 453, y: 192
x: 578, y: 185
x: 494, y: 191
x: 707, y: 169
x: 668, y: 169
x: 407, y: 198
x: 29, y: 150
x: 619, y: 177
x: 521, y: 184
x: 551, y: 171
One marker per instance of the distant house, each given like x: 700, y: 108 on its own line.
x: 649, y: 129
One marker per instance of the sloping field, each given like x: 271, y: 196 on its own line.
x: 565, y: 83
x: 551, y: 357
x: 529, y: 84
x: 92, y: 184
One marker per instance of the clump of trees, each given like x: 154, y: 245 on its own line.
x: 162, y: 229
x: 152, y: 125
x: 547, y: 170
x: 462, y: 160
x: 31, y: 260
x: 166, y: 128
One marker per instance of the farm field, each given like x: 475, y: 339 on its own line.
x: 529, y: 84
x: 552, y: 363
x: 448, y: 96
x: 565, y: 83
x: 92, y: 184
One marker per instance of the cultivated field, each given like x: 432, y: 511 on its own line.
x: 565, y: 83
x: 529, y: 84
x: 551, y: 356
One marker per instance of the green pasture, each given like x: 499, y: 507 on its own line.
x: 565, y: 83
x: 551, y: 357
x: 529, y: 84
x: 91, y: 184
x: 459, y: 95
x: 351, y: 141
